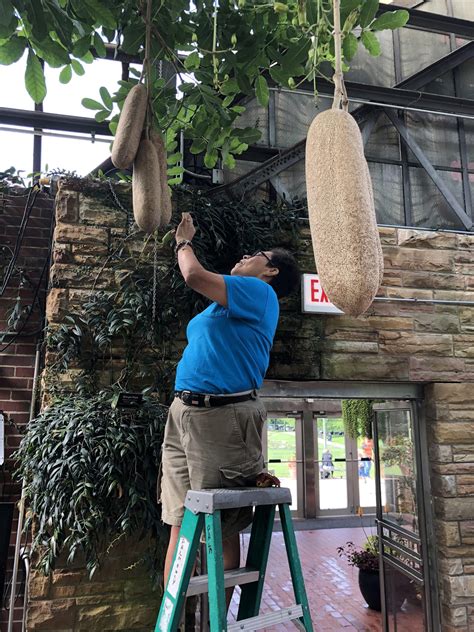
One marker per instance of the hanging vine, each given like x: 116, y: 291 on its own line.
x: 357, y: 415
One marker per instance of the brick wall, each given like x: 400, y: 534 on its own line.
x: 17, y: 361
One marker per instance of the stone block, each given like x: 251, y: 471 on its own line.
x: 441, y: 453
x: 462, y: 393
x: 387, y: 235
x: 448, y: 533
x: 70, y: 275
x: 444, y: 485
x: 412, y: 238
x: 415, y: 343
x: 465, y: 241
x: 339, y: 366
x: 93, y: 211
x: 432, y: 280
x: 465, y: 485
x: 349, y: 346
x: 67, y: 206
x: 466, y: 318
x: 464, y: 346
x: 451, y: 566
x: 51, y: 615
x: 442, y: 323
x: 39, y: 585
x: 388, y: 323
x: 464, y: 454
x: 432, y: 369
x: 461, y: 589
x: 411, y: 293
x: 454, y: 295
x: 418, y: 259
x: 76, y: 234
x: 453, y: 432
x: 57, y: 304
x: 455, y: 509
x: 454, y: 616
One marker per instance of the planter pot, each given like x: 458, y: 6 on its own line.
x: 369, y: 585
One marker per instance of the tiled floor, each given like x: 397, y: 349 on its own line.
x: 333, y: 593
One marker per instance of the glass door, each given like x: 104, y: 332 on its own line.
x: 344, y: 470
x: 401, y: 520
x: 283, y: 452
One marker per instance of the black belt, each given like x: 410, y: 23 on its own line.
x: 201, y: 400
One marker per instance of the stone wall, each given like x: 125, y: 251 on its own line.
x: 395, y: 341
x: 450, y: 414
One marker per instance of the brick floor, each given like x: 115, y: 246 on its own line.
x: 332, y: 586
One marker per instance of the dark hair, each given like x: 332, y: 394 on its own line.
x: 288, y: 276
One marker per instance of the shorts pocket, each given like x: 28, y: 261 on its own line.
x: 242, y: 474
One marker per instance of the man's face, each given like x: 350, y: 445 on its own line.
x: 253, y: 265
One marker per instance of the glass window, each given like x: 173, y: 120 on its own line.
x: 404, y: 601
x: 463, y: 9
x: 16, y: 150
x: 293, y: 116
x: 384, y: 141
x: 293, y: 181
x: 364, y: 69
x: 255, y: 116
x: 429, y: 207
x: 466, y: 80
x: 388, y: 193
x: 420, y: 49
x: 437, y: 136
x: 73, y: 154
x: 13, y: 93
x: 434, y: 6
x: 469, y: 131
x: 66, y: 98
x: 442, y: 85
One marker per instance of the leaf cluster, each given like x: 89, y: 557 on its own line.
x: 221, y: 54
x: 90, y: 473
x: 357, y: 415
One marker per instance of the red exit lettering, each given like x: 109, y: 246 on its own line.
x: 318, y: 295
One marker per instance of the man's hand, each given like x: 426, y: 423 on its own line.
x: 264, y: 479
x: 186, y: 229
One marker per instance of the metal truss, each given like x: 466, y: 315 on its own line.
x: 420, y: 155
x: 365, y: 115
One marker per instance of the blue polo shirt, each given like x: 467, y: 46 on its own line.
x: 229, y: 347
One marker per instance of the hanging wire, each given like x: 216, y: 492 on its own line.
x: 155, y: 278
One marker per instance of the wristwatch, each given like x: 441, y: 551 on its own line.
x: 180, y: 244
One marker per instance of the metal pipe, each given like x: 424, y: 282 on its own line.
x: 373, y: 103
x: 36, y: 132
x: 431, y: 301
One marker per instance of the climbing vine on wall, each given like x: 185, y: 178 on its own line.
x: 357, y: 415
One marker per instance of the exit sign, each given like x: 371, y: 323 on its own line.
x: 314, y: 298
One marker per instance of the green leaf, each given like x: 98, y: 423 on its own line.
x: 247, y: 135
x: 52, y: 52
x: 102, y: 115
x: 106, y: 98
x: 261, y: 91
x: 350, y: 44
x: 82, y: 46
x: 192, y: 61
x: 198, y: 146
x: 103, y: 15
x: 133, y: 37
x: 391, y: 20
x: 37, y: 19
x: 90, y: 104
x: 12, y: 50
x: 6, y: 12
x: 210, y: 158
x: 176, y: 171
x: 77, y: 67
x: 372, y: 44
x: 99, y: 46
x: 8, y: 29
x: 368, y: 12
x: 230, y: 87
x: 65, y: 74
x: 34, y: 78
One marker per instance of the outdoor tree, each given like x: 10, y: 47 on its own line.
x: 222, y: 52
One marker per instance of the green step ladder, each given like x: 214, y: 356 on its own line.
x: 203, y: 511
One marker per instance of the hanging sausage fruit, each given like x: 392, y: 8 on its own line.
x: 341, y: 208
x: 136, y: 142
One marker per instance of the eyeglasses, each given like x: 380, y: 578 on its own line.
x: 259, y: 253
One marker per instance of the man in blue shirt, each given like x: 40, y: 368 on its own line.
x: 213, y: 435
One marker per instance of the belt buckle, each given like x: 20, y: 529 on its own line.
x: 187, y: 397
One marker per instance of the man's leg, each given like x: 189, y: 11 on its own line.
x: 170, y: 552
x: 231, y: 552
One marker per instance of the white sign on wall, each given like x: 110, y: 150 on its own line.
x: 314, y: 298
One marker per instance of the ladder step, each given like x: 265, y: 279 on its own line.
x: 265, y: 620
x: 236, y: 577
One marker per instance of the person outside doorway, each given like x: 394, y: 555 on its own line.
x: 213, y: 435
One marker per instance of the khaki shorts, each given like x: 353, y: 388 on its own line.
x: 207, y: 448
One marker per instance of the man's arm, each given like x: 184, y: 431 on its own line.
x: 196, y: 277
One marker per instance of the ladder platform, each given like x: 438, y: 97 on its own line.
x: 236, y: 577
x: 210, y: 500
x: 266, y: 620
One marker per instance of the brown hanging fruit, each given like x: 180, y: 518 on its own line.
x: 166, y: 206
x: 130, y: 126
x: 341, y: 211
x: 146, y: 188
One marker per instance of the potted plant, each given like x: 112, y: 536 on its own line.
x: 366, y: 559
